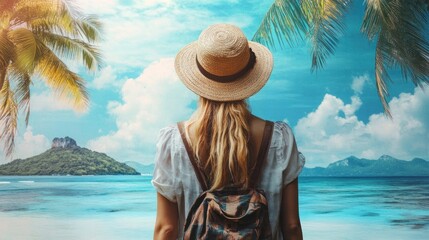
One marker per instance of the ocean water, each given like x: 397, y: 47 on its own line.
x: 124, y: 207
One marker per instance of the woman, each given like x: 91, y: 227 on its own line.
x: 225, y: 69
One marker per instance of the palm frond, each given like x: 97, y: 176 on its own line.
x: 326, y: 26
x: 55, y: 16
x: 6, y: 8
x: 411, y: 43
x: 320, y: 21
x: 90, y: 28
x: 23, y: 95
x: 22, y: 89
x: 4, y: 19
x: 377, y: 14
x: 65, y: 83
x: 25, y: 48
x: 8, y: 118
x: 7, y: 5
x: 27, y: 11
x: 6, y: 49
x: 73, y: 49
x: 383, y: 60
x: 32, y: 34
x: 6, y: 54
x: 399, y: 26
x: 284, y: 22
x: 2, y: 77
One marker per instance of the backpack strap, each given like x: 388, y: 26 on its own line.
x: 200, y: 175
x: 262, y: 154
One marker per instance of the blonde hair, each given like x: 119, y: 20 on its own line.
x: 221, y: 144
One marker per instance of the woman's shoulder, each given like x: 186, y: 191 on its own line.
x: 169, y: 129
x: 282, y: 134
x: 167, y: 134
x: 278, y: 125
x: 282, y: 126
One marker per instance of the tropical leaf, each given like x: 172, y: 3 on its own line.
x: 34, y: 36
x: 6, y: 7
x: 22, y: 89
x: 90, y: 28
x: 402, y: 42
x: 2, y: 77
x: 284, y: 22
x: 326, y: 26
x: 8, y: 117
x: 319, y: 21
x: 6, y: 49
x: 383, y: 60
x: 65, y: 83
x: 25, y: 48
x: 27, y: 11
x: 73, y: 49
x: 23, y: 95
x: 6, y: 54
x: 56, y: 17
x: 410, y: 43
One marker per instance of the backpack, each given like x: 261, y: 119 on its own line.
x: 230, y: 212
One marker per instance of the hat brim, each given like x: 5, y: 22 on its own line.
x: 238, y: 89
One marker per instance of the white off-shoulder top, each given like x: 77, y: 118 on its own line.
x: 174, y: 177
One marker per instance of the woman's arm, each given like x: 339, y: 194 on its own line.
x: 289, y: 219
x: 167, y: 219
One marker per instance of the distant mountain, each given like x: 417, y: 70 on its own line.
x: 66, y: 158
x: 143, y: 169
x: 361, y: 167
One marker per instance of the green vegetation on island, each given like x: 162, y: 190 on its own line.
x: 67, y: 159
x: 385, y: 166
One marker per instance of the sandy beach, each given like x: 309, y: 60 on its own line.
x: 42, y: 228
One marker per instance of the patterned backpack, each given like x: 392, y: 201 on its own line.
x: 229, y: 213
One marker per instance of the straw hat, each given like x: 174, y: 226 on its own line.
x: 223, y: 65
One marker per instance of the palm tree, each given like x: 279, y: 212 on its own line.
x: 399, y: 28
x: 34, y: 38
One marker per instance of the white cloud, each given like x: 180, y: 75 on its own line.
x: 359, y: 82
x: 28, y: 145
x: 47, y: 101
x: 140, y: 32
x: 151, y: 101
x: 325, y: 135
x: 152, y: 3
x: 106, y: 78
x: 97, y: 6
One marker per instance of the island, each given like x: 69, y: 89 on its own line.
x: 142, y: 168
x: 385, y: 166
x: 65, y: 157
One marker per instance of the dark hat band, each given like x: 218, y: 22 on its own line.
x: 229, y: 78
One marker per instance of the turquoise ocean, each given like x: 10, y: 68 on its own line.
x: 124, y: 207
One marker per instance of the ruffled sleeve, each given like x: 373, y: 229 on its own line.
x: 293, y: 160
x: 164, y: 176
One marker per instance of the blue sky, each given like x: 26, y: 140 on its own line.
x: 334, y: 112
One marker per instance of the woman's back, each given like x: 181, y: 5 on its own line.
x: 224, y: 69
x: 175, y: 179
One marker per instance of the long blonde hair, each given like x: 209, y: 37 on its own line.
x: 222, y: 134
